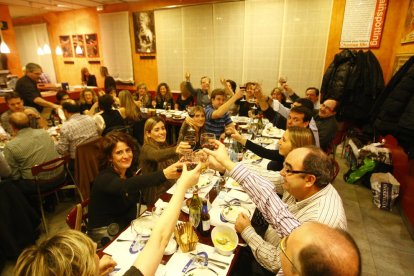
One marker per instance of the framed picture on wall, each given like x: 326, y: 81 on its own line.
x: 78, y: 40
x: 144, y: 32
x: 92, y: 47
x: 408, y: 33
x: 66, y: 45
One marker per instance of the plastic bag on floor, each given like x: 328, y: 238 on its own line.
x: 385, y: 189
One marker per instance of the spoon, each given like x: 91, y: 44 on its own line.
x: 223, y: 241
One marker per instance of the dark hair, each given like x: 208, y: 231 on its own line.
x: 168, y: 95
x: 60, y: 94
x: 233, y: 85
x: 108, y: 143
x: 217, y: 92
x: 30, y: 67
x: 303, y: 110
x: 71, y: 107
x: 205, y: 77
x: 336, y: 105
x: 13, y: 95
x: 110, y: 89
x: 305, y: 102
x: 313, y: 88
x: 317, y: 162
x: 105, y: 102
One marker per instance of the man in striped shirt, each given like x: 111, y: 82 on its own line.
x: 306, y: 191
x: 217, y: 116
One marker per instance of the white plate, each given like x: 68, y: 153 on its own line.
x: 273, y: 132
x: 201, y: 271
x: 230, y: 213
x: 171, y: 247
x: 143, y: 225
x: 264, y: 140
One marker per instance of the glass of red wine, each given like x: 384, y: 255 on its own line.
x: 191, y: 140
x: 190, y: 111
x: 207, y: 140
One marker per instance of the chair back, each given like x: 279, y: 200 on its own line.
x: 87, y: 164
x: 50, y: 165
x: 77, y: 217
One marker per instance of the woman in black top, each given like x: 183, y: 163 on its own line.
x: 109, y: 81
x: 88, y: 102
x: 110, y: 119
x: 164, y: 96
x: 184, y: 99
x: 88, y: 79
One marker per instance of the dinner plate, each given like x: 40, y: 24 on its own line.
x: 201, y: 271
x: 143, y: 225
x: 272, y: 132
x: 231, y: 212
x: 251, y: 156
x: 264, y: 140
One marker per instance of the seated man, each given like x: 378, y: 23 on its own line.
x: 16, y: 104
x: 315, y: 248
x: 326, y: 122
x: 202, y: 93
x: 312, y: 93
x: 30, y: 147
x: 77, y: 129
x: 217, y: 117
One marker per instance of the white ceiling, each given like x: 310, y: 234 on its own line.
x: 23, y: 8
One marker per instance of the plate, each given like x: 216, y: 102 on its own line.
x: 265, y: 140
x: 143, y: 225
x: 230, y: 213
x: 175, y: 117
x: 251, y: 156
x: 201, y: 271
x: 273, y: 132
x: 203, y: 182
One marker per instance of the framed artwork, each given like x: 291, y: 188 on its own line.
x: 66, y: 45
x: 92, y: 47
x: 408, y: 33
x: 78, y: 40
x: 399, y: 61
x: 144, y: 32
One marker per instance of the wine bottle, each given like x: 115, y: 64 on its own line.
x: 205, y: 220
x: 195, y: 209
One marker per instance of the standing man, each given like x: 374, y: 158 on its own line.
x: 77, y: 129
x: 26, y: 86
x: 203, y: 93
x: 217, y: 117
x: 312, y: 93
x: 326, y: 122
x: 16, y: 104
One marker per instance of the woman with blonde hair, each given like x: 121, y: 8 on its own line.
x: 142, y: 97
x: 109, y: 82
x: 88, y: 102
x: 164, y: 96
x: 156, y: 154
x: 87, y: 78
x: 184, y: 99
x: 132, y: 115
x: 294, y: 137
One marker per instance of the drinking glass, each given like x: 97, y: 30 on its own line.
x: 207, y: 140
x: 199, y: 156
x: 190, y: 111
x: 191, y: 140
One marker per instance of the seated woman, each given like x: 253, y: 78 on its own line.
x: 294, y: 137
x: 246, y: 104
x: 115, y: 191
x: 194, y: 126
x: 110, y: 119
x: 157, y: 155
x: 87, y: 78
x: 163, y: 96
x: 132, y: 115
x: 185, y: 99
x: 114, y: 95
x: 88, y: 102
x: 142, y: 97
x: 71, y: 252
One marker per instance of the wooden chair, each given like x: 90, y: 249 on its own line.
x: 67, y: 181
x: 77, y: 217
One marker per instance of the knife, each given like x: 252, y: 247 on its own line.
x: 213, y: 260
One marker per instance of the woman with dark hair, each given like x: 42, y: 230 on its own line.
x: 132, y: 115
x: 194, y: 126
x: 156, y: 154
x: 109, y: 82
x: 277, y: 94
x: 115, y: 190
x: 164, y: 96
x: 110, y: 119
x: 87, y: 79
x: 88, y: 102
x: 184, y: 99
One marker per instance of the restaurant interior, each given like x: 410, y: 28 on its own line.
x: 242, y: 40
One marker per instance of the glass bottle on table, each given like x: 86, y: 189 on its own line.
x: 204, y: 227
x: 195, y: 209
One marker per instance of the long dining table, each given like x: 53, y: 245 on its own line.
x: 219, y: 191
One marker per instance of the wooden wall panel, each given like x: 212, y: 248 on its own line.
x: 13, y: 59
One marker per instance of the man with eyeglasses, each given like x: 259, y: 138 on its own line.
x: 326, y: 122
x: 307, y: 193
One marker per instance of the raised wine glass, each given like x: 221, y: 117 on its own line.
x: 207, y: 140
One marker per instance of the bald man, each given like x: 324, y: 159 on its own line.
x: 309, y: 250
x: 28, y: 148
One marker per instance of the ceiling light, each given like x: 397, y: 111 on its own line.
x: 58, y: 51
x: 78, y: 50
x: 46, y: 49
x: 4, y: 49
x: 40, y: 51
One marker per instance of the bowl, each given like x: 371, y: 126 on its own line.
x: 225, y: 239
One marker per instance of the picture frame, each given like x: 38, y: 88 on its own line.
x: 66, y: 45
x: 92, y: 46
x: 78, y: 40
x: 144, y: 32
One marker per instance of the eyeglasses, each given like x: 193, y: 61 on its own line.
x: 282, y: 246
x: 290, y: 172
x: 327, y: 107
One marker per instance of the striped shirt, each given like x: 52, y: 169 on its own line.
x: 324, y: 206
x: 216, y: 126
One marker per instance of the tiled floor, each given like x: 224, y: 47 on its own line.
x: 386, y: 246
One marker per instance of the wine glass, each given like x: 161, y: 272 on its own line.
x: 191, y: 140
x: 207, y: 140
x: 154, y: 104
x: 199, y: 156
x: 228, y: 131
x: 190, y: 111
x: 243, y: 88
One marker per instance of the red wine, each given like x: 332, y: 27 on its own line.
x: 191, y: 114
x: 209, y: 146
x: 191, y: 166
x: 180, y: 169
